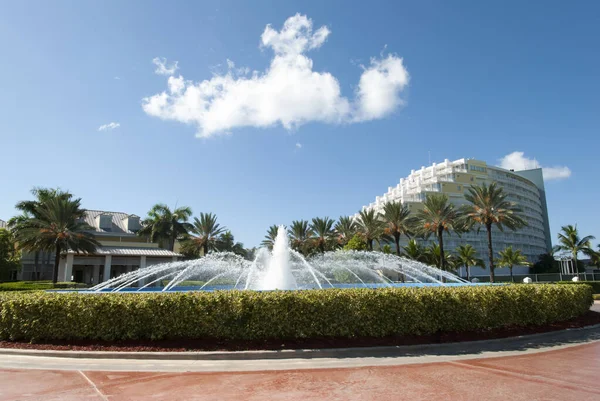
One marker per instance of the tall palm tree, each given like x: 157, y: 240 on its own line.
x: 466, y: 256
x: 510, y: 258
x: 57, y: 226
x: 322, y: 229
x: 370, y: 226
x: 569, y: 241
x: 166, y: 225
x: 300, y: 234
x: 489, y: 207
x: 435, y: 255
x: 206, y: 233
x: 397, y: 219
x: 414, y: 251
x: 269, y: 239
x: 29, y: 209
x: 345, y: 228
x: 438, y: 216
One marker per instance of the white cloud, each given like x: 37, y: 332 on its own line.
x: 298, y: 145
x: 289, y: 92
x: 117, y: 78
x: 162, y: 68
x: 518, y: 161
x: 109, y: 126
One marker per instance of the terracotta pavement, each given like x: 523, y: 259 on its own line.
x: 571, y: 373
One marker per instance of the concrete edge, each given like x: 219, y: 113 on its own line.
x: 552, y: 338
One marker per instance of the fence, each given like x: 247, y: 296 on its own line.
x: 540, y: 278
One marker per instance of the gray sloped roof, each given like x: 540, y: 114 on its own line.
x: 132, y: 251
x: 118, y: 222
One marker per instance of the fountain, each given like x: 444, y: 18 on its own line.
x: 282, y: 269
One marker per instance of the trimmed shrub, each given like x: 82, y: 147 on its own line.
x: 253, y: 315
x: 38, y: 285
x: 594, y: 284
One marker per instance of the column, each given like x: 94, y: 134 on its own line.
x: 96, y: 275
x: 107, y: 265
x: 142, y: 281
x: 68, y: 268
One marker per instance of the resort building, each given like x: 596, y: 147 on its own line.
x: 2, y: 223
x: 121, y: 251
x: 526, y: 188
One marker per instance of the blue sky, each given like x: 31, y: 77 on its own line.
x: 465, y: 79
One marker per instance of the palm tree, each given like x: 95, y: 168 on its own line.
x: 397, y: 220
x: 510, y: 258
x: 370, y: 226
x: 226, y: 243
x: 206, y: 233
x: 436, y: 256
x: 569, y: 241
x: 30, y: 209
x: 466, y: 256
x: 300, y: 234
x: 437, y: 216
x: 322, y: 229
x: 269, y: 239
x: 414, y: 251
x: 56, y: 226
x: 345, y: 228
x: 166, y: 225
x: 489, y: 207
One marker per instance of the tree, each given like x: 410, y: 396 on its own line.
x: 30, y: 209
x: 396, y: 217
x: 466, y: 256
x: 57, y: 226
x: 370, y: 226
x: 226, y: 243
x: 300, y: 235
x: 437, y: 216
x: 165, y: 225
x: 414, y: 251
x: 489, y: 207
x: 569, y: 241
x: 322, y: 229
x: 436, y: 256
x: 545, y: 264
x: 206, y: 233
x: 356, y: 243
x: 10, y: 258
x: 510, y: 258
x: 345, y: 228
x: 269, y: 239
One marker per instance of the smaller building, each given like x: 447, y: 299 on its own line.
x: 2, y: 223
x: 121, y: 251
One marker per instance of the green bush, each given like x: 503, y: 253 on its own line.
x: 594, y: 284
x: 37, y: 285
x: 253, y: 315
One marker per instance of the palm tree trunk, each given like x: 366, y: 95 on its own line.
x: 56, y: 263
x: 490, y: 252
x: 575, y: 267
x: 369, y: 244
x: 467, y: 269
x: 397, y: 240
x: 441, y: 242
x: 511, y: 274
x: 36, y: 263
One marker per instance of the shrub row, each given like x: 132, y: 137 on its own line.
x: 594, y: 284
x: 250, y: 315
x: 37, y: 285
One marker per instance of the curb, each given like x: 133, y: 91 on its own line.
x: 548, y: 339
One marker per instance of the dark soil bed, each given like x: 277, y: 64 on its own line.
x: 590, y: 318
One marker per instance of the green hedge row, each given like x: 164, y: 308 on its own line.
x: 594, y: 284
x: 252, y: 315
x: 38, y: 285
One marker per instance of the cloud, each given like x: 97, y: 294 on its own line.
x: 109, y: 127
x: 289, y: 92
x: 298, y: 145
x: 517, y: 161
x: 162, y: 68
x: 117, y: 78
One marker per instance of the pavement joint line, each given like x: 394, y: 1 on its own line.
x: 104, y: 397
x: 527, y: 376
x: 299, y: 354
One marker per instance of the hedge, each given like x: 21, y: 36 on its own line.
x: 253, y: 315
x: 38, y: 285
x: 594, y: 284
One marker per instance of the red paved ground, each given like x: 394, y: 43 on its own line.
x: 568, y: 374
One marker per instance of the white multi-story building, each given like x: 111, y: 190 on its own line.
x: 526, y: 188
